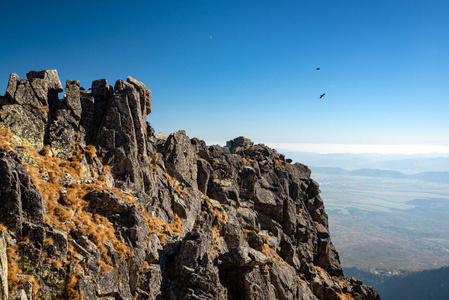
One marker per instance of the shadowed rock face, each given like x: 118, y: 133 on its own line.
x: 94, y: 205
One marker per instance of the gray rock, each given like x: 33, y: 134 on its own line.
x: 40, y: 88
x: 12, y: 86
x: 145, y: 95
x: 151, y: 280
x: 26, y: 96
x: 240, y: 144
x: 107, y: 283
x: 51, y: 76
x: 73, y: 98
x: 3, y: 268
x: 19, y: 199
x: 180, y: 158
x: 154, y: 249
x: 244, y: 257
x: 20, y: 295
x: 204, y: 171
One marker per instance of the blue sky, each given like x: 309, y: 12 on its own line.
x: 221, y: 69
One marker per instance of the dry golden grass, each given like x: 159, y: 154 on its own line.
x: 145, y: 265
x: 44, y: 108
x: 15, y: 276
x: 65, y: 211
x: 177, y: 187
x: 345, y: 296
x: 215, y: 240
x: 267, y: 268
x: 160, y: 228
x: 271, y: 253
x: 3, y: 228
x: 279, y: 163
x: 6, y: 141
x: 222, y: 217
x: 153, y: 162
x: 177, y: 223
x: 13, y: 270
x: 66, y: 208
x: 91, y: 151
x: 71, y: 281
x: 320, y: 272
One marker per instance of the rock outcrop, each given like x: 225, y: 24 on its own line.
x: 93, y: 205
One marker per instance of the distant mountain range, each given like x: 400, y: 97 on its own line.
x: 408, y: 164
x: 441, y: 177
x: 425, y: 285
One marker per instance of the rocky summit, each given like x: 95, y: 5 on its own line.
x: 94, y: 205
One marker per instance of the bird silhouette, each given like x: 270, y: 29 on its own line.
x: 318, y: 69
x: 322, y: 95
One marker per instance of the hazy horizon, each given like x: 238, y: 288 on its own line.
x: 362, y: 148
x: 384, y: 149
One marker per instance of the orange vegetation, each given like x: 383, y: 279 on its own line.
x: 91, y: 151
x: 176, y: 185
x: 145, y: 265
x: 153, y: 162
x: 215, y: 239
x: 6, y: 139
x: 320, y: 272
x: 68, y: 205
x: 160, y: 228
x: 66, y: 209
x: 70, y: 285
x: 271, y: 253
x: 279, y: 163
x: 221, y: 217
x: 345, y: 296
x: 15, y: 275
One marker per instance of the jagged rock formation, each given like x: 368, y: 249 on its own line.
x: 93, y: 205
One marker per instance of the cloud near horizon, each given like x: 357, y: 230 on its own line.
x: 360, y: 148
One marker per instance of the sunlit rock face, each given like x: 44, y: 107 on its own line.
x: 94, y: 205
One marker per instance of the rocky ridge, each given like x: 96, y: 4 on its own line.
x: 94, y: 205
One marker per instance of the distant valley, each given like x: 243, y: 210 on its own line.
x: 392, y: 219
x: 390, y: 226
x: 436, y: 176
x: 385, y: 223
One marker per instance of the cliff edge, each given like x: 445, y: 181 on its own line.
x: 94, y: 205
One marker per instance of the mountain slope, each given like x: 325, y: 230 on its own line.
x: 425, y: 285
x: 94, y: 205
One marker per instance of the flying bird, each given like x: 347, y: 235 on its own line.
x: 322, y: 95
x: 317, y: 69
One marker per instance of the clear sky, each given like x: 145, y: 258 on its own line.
x: 221, y: 69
